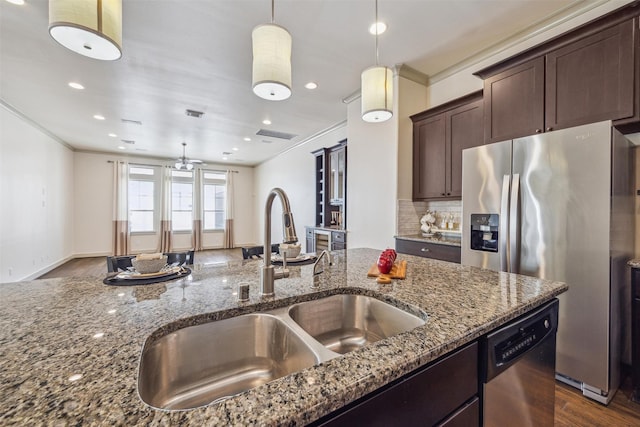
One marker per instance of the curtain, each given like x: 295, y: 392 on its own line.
x: 228, y: 213
x: 165, y: 212
x: 121, y: 236
x: 196, y: 237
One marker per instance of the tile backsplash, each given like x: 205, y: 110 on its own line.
x: 409, y: 213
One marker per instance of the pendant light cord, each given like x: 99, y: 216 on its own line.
x: 273, y: 11
x: 376, y: 30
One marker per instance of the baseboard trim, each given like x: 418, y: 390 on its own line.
x: 47, y: 269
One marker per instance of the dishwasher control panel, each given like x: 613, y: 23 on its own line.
x: 520, y: 342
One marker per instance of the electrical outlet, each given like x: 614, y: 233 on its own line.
x: 10, y: 271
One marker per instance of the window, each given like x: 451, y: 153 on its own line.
x: 182, y: 201
x: 213, y: 192
x: 142, y: 187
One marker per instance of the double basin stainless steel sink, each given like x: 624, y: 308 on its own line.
x: 202, y: 364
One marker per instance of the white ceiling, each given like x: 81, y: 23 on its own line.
x: 188, y: 54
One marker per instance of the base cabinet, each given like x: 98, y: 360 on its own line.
x: 635, y: 333
x: 444, y: 393
x: 320, y: 239
x: 429, y: 250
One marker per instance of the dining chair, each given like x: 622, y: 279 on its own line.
x: 117, y: 263
x: 181, y: 258
x: 255, y: 251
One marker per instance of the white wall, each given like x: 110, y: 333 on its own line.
x: 94, y: 208
x: 372, y: 176
x: 294, y: 172
x: 36, y: 193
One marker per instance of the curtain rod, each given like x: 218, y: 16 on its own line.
x: 210, y: 170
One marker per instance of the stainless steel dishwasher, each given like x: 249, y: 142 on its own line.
x: 518, y: 370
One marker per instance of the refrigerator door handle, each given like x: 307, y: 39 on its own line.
x: 514, y: 225
x: 504, y: 225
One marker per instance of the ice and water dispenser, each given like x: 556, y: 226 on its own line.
x: 484, y: 232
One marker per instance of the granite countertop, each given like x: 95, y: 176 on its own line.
x: 69, y: 348
x: 634, y: 263
x: 438, y: 238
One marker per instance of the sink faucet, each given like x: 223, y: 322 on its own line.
x: 289, y: 236
x: 324, y: 253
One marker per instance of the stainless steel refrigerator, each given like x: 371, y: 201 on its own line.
x: 559, y: 206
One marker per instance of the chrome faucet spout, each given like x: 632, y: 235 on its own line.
x: 269, y: 274
x: 317, y: 267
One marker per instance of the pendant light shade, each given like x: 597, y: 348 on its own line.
x: 376, y: 94
x: 271, y: 62
x: 376, y: 89
x: 91, y: 28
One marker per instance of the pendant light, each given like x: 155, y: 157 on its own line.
x: 271, y: 61
x: 376, y: 90
x: 91, y: 28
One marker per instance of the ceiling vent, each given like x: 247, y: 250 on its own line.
x: 227, y: 153
x: 194, y: 113
x: 128, y: 141
x: 133, y: 122
x: 266, y: 141
x: 275, y: 134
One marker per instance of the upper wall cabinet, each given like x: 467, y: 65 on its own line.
x: 582, y: 77
x: 439, y: 136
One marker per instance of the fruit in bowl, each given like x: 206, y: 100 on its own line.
x: 292, y: 249
x: 144, y: 266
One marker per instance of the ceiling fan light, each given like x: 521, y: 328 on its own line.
x: 189, y: 166
x: 91, y: 28
x: 376, y: 94
x: 178, y: 165
x: 271, y: 62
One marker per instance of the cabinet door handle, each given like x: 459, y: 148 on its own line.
x: 442, y: 194
x: 425, y: 250
x: 549, y: 129
x: 538, y: 130
x: 448, y: 194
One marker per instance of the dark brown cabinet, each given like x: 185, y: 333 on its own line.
x: 429, y: 250
x: 584, y: 77
x: 444, y: 393
x: 439, y: 136
x: 514, y: 102
x: 591, y: 80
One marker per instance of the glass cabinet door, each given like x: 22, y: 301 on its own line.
x: 333, y: 165
x: 340, y: 172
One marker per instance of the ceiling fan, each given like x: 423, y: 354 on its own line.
x: 183, y: 162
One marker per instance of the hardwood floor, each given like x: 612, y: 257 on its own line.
x: 571, y: 408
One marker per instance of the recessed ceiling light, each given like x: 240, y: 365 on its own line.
x: 225, y: 158
x: 113, y: 135
x: 18, y: 2
x: 98, y: 117
x: 235, y: 148
x: 311, y: 85
x: 246, y: 138
x: 266, y: 122
x: 76, y: 85
x: 378, y: 28
x: 120, y: 147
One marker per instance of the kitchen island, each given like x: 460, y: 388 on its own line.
x: 70, y: 348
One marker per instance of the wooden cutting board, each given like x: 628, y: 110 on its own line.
x: 398, y: 271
